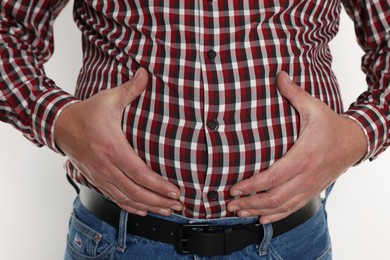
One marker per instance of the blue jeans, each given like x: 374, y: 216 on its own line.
x: 91, y: 238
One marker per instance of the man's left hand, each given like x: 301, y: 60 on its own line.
x: 327, y: 145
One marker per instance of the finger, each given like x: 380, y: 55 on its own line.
x: 286, y: 168
x: 298, y: 97
x: 112, y: 195
x: 272, y: 215
x: 294, y: 205
x: 279, y: 173
x: 134, y: 203
x: 136, y: 169
x: 132, y: 206
x: 137, y: 194
x: 124, y: 191
x: 131, y: 89
x: 273, y: 201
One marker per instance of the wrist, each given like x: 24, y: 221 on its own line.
x: 374, y: 123
x: 62, y: 125
x: 356, y: 140
x: 45, y: 112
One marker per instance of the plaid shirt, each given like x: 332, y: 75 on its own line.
x: 211, y: 115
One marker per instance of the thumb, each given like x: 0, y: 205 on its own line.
x: 131, y: 89
x: 292, y: 92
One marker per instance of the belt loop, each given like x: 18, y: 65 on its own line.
x: 122, y: 232
x: 263, y: 246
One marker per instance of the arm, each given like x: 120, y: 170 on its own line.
x: 328, y: 143
x: 29, y: 100
x: 371, y: 110
x: 88, y: 132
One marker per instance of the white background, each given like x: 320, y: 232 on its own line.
x: 36, y: 200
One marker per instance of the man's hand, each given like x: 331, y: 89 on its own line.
x: 328, y: 144
x: 90, y: 134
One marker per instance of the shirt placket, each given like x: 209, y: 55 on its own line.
x: 209, y: 47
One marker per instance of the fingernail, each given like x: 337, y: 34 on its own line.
x: 287, y: 78
x: 165, y: 212
x: 136, y: 74
x: 141, y: 213
x: 237, y: 193
x: 233, y: 208
x: 177, y: 207
x: 173, y: 195
x: 245, y: 214
x: 265, y: 221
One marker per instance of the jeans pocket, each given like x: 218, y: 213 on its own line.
x: 83, y: 242
x: 309, y: 241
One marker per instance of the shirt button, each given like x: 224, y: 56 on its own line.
x: 212, y: 195
x: 213, y: 124
x: 212, y: 54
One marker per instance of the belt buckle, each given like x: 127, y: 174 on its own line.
x: 183, y: 239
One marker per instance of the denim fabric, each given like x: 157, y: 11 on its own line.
x: 91, y: 238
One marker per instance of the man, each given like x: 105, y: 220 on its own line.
x: 209, y: 111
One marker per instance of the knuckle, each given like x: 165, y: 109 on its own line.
x: 273, y: 180
x: 137, y: 196
x: 127, y: 86
x: 285, y: 209
x: 123, y: 201
x: 275, y: 201
x: 138, y: 175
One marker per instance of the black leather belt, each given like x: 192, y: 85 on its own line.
x: 198, y: 239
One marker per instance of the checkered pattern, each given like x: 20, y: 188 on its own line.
x: 211, y: 115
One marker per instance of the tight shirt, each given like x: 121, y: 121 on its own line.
x: 211, y: 114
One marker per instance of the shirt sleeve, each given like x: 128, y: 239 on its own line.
x: 29, y: 100
x: 371, y: 109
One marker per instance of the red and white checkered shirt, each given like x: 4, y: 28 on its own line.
x: 211, y: 115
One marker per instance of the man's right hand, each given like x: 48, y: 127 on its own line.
x: 90, y: 134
